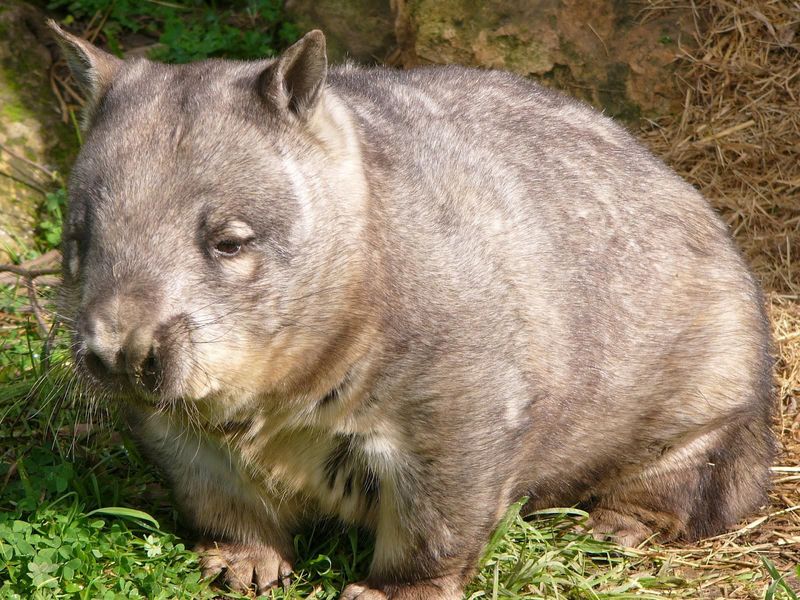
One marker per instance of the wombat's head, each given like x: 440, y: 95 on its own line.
x: 210, y: 248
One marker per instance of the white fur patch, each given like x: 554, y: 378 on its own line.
x: 303, y: 195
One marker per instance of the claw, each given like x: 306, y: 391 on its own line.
x: 244, y: 567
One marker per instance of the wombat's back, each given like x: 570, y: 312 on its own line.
x: 560, y: 254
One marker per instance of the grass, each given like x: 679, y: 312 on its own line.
x: 185, y: 30
x: 83, y: 516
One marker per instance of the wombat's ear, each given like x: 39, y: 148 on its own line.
x: 294, y: 81
x: 92, y: 68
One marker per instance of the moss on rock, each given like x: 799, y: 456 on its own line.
x: 595, y: 49
x: 30, y: 125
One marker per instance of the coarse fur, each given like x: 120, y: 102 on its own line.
x: 406, y: 299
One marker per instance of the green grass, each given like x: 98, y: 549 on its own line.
x: 188, y: 29
x: 82, y: 514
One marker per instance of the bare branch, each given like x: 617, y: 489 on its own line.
x: 51, y: 174
x: 29, y: 273
x: 30, y: 184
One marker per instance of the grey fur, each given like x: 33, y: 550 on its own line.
x: 408, y: 299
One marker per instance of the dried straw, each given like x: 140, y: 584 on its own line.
x: 738, y: 137
x: 738, y: 140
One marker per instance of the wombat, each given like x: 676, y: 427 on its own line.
x: 405, y: 299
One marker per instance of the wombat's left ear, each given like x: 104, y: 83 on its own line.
x: 294, y: 82
x: 92, y: 68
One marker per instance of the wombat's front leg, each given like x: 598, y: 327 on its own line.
x: 245, y: 537
x: 413, y: 574
x: 445, y: 588
x: 428, y: 540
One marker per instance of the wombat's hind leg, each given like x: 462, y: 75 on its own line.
x: 612, y: 526
x: 444, y: 588
x: 735, y: 478
x: 244, y: 567
x: 694, y: 490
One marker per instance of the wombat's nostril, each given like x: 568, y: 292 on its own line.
x: 95, y: 365
x: 150, y: 374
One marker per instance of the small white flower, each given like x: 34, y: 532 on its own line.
x: 152, y: 546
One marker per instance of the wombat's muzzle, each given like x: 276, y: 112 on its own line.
x: 124, y: 344
x: 144, y: 373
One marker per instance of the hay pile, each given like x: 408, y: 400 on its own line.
x: 738, y: 137
x: 738, y: 140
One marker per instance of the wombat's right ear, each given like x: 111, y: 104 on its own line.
x: 92, y: 68
x: 294, y: 82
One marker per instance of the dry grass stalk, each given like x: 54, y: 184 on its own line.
x: 738, y: 138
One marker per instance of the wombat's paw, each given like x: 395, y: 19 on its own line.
x: 611, y: 526
x: 429, y: 590
x: 244, y: 566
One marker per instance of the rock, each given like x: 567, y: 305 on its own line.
x: 603, y: 51
x: 31, y: 130
x: 359, y: 29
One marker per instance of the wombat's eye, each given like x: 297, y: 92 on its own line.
x: 230, y: 239
x: 228, y: 247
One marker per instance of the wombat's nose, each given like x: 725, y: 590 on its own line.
x: 145, y: 372
x: 121, y: 351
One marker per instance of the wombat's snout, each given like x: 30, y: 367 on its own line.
x: 146, y: 374
x: 123, y: 344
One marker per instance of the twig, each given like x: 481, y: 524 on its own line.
x: 29, y: 162
x: 29, y: 273
x: 46, y: 332
x: 602, y: 41
x: 47, y: 348
x: 727, y: 131
x: 44, y: 329
x: 788, y: 336
x: 70, y: 90
x: 30, y: 184
x: 93, y: 35
x: 169, y: 4
x: 59, y: 96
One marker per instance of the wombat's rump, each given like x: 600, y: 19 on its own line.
x: 406, y: 299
